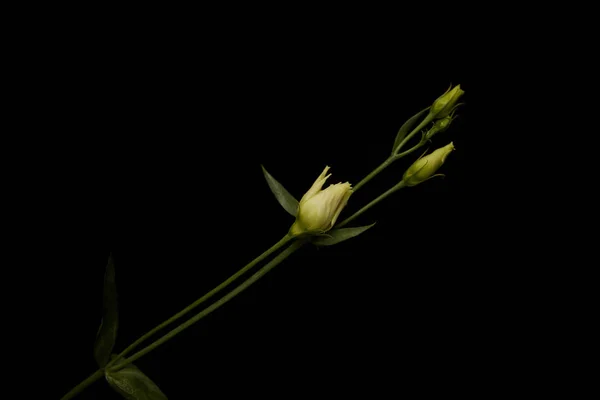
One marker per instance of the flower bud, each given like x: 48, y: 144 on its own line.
x: 446, y: 103
x: 440, y: 125
x: 319, y: 209
x: 425, y: 167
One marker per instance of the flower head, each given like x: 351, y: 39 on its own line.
x: 319, y: 209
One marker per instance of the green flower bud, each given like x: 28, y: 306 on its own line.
x: 440, y: 125
x: 443, y: 124
x: 425, y: 167
x: 446, y: 103
x: 319, y: 209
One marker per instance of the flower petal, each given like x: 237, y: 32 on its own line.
x: 316, y: 186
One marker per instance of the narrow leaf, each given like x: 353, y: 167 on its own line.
x: 335, y: 236
x: 287, y: 201
x: 133, y: 384
x: 107, y: 333
x: 406, y: 128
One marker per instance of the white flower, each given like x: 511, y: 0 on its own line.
x: 319, y: 209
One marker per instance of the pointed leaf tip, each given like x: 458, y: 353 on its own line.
x: 287, y: 201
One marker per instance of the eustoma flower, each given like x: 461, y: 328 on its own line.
x: 319, y: 209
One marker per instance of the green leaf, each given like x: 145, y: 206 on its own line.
x: 406, y: 128
x: 107, y: 333
x: 133, y: 384
x: 287, y: 201
x: 335, y: 236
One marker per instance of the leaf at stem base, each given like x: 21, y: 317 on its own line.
x: 336, y: 236
x: 133, y: 384
x: 107, y: 333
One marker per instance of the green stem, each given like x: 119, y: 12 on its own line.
x: 85, y: 383
x: 398, y: 186
x: 96, y: 375
x: 259, y: 274
x: 423, y: 123
x: 377, y: 170
x: 396, y: 156
x: 407, y: 152
x: 202, y: 299
x: 373, y: 173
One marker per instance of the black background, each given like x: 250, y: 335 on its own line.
x: 164, y: 171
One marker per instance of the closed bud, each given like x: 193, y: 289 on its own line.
x: 440, y: 125
x: 425, y: 167
x: 319, y: 209
x: 446, y: 103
